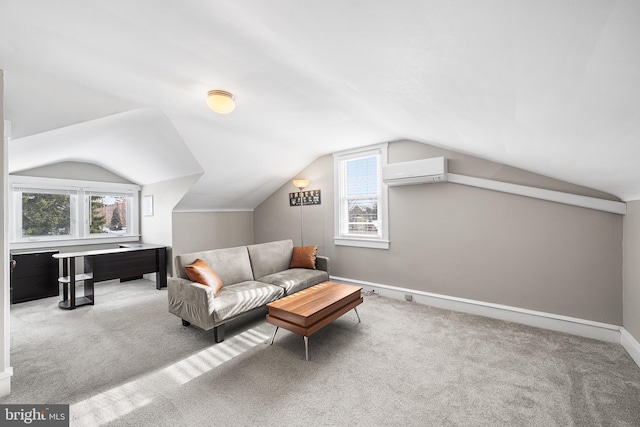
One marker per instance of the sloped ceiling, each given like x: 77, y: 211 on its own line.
x: 140, y: 145
x: 552, y: 87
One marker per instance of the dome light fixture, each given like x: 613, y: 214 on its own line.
x: 301, y: 184
x: 221, y: 101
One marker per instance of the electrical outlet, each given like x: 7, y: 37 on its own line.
x: 408, y: 297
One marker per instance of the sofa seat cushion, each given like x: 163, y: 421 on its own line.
x: 241, y: 297
x: 296, y: 279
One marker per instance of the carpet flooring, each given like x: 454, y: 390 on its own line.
x: 127, y: 362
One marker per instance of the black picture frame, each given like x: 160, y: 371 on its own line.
x: 309, y: 197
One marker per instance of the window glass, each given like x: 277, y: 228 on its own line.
x: 46, y: 214
x: 362, y: 196
x: 108, y: 214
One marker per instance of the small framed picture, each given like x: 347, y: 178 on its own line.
x: 311, y: 197
x: 147, y: 205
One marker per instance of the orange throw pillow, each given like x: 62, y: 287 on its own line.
x: 200, y: 272
x: 304, y: 257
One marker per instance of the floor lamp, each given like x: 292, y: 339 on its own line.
x: 301, y: 184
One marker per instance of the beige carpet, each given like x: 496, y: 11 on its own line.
x: 127, y: 362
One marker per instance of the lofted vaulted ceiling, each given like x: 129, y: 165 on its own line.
x: 549, y: 86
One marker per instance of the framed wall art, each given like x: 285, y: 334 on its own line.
x: 310, y: 197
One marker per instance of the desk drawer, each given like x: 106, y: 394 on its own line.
x: 35, y: 276
x: 122, y: 265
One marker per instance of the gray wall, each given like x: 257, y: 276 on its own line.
x: 631, y: 291
x: 200, y: 231
x: 472, y: 243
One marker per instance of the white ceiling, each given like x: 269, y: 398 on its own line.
x: 548, y: 86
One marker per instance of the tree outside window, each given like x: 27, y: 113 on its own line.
x: 108, y: 214
x: 98, y: 219
x: 46, y: 214
x: 116, y: 220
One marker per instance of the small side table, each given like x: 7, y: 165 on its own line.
x: 69, y: 279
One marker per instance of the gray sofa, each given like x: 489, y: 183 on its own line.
x: 253, y: 276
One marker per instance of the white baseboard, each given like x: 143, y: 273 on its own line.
x: 631, y: 345
x: 5, y: 382
x: 555, y: 322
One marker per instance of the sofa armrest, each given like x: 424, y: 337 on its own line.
x: 191, y: 301
x: 322, y: 263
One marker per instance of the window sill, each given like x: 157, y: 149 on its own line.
x: 47, y: 243
x: 362, y: 243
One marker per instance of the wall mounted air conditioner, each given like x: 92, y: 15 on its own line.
x: 424, y: 171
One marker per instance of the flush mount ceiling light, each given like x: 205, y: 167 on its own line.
x: 221, y: 101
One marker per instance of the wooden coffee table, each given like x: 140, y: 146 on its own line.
x: 309, y: 310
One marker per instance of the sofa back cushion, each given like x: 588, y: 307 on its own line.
x: 304, y: 257
x: 269, y: 258
x: 231, y: 264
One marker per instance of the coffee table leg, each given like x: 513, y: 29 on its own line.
x: 306, y: 348
x: 354, y: 309
x: 274, y: 335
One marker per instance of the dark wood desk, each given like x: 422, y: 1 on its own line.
x: 124, y: 262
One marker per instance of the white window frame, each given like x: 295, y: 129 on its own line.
x: 80, y: 211
x: 342, y: 237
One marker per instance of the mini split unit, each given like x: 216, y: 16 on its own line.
x: 425, y: 171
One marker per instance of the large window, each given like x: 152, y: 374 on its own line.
x: 45, y: 210
x: 361, y: 198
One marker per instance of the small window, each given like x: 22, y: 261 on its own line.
x: 361, y: 198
